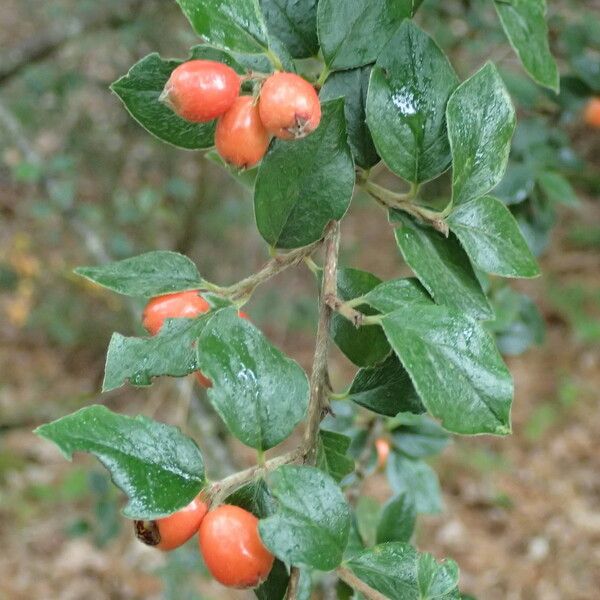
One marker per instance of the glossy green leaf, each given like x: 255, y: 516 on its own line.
x: 352, y: 34
x: 399, y: 572
x: 410, y: 86
x: 332, y: 454
x: 255, y: 497
x: 525, y: 26
x: 385, y: 389
x: 364, y: 346
x: 260, y: 393
x: 491, y: 237
x: 397, y: 520
x: 455, y: 368
x: 481, y: 121
x: 157, y: 467
x: 516, y: 185
x: 276, y: 584
x: 396, y: 293
x: 294, y: 22
x: 313, y: 522
x: 137, y: 360
x: 292, y: 211
x: 353, y: 85
x: 417, y: 480
x: 557, y: 188
x: 139, y: 91
x: 442, y: 266
x: 418, y: 436
x: 147, y: 275
x: 231, y: 24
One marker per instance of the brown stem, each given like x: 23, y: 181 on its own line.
x: 347, y: 576
x: 338, y: 305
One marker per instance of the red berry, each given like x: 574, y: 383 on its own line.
x: 592, y: 112
x: 232, y: 549
x: 241, y: 138
x: 175, y: 530
x: 289, y: 106
x: 201, y: 90
x: 180, y: 305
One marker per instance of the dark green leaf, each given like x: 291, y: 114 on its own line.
x: 367, y: 513
x: 397, y: 293
x: 364, y: 346
x: 147, y: 275
x: 313, y: 522
x: 157, y: 467
x: 292, y: 211
x: 353, y: 33
x: 260, y: 393
x: 353, y: 85
x: 557, y: 188
x: 410, y: 86
x: 397, y: 520
x: 231, y: 24
x: 137, y: 360
x: 385, y: 389
x: 492, y: 239
x: 455, y: 367
x: 294, y: 22
x: 139, y: 91
x: 418, y: 436
x: 516, y: 185
x: 399, y: 572
x: 442, y: 266
x: 481, y: 121
x: 254, y: 497
x: 332, y: 454
x: 525, y: 26
x: 417, y: 480
x: 276, y: 584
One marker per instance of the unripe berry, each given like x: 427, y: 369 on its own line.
x: 201, y: 90
x: 289, y: 106
x: 175, y: 530
x: 591, y: 114
x: 232, y: 549
x: 241, y: 138
x: 383, y: 451
x: 180, y: 305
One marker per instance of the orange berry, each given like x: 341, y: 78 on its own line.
x: 180, y: 305
x: 383, y: 451
x: 232, y: 549
x: 591, y: 114
x: 289, y: 106
x: 201, y: 90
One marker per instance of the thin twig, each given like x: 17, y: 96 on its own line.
x: 338, y: 305
x: 347, y: 576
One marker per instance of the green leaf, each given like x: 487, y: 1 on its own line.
x: 398, y: 519
x: 442, y: 266
x: 313, y: 522
x: 525, y: 26
x: 276, y: 584
x: 491, y: 237
x: 137, y: 360
x: 386, y: 389
x: 157, y: 467
x: 418, y: 436
x: 353, y: 33
x: 147, y: 275
x: 353, y: 85
x: 455, y: 368
x: 254, y: 497
x: 364, y: 346
x: 139, y: 91
x: 245, y: 177
x: 292, y: 211
x: 294, y: 22
x: 417, y: 480
x: 231, y: 24
x: 368, y: 511
x: 397, y: 293
x: 332, y: 454
x: 260, y: 393
x: 481, y: 121
x: 557, y: 188
x: 399, y: 572
x: 410, y: 86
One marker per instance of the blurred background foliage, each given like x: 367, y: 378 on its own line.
x: 82, y: 183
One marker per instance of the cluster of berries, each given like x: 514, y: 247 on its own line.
x: 286, y: 106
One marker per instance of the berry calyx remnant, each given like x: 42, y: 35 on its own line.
x: 173, y: 531
x: 241, y: 138
x: 232, y: 549
x: 201, y: 90
x: 289, y: 106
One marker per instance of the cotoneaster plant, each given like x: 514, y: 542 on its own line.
x: 426, y: 360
